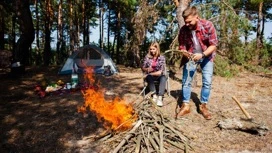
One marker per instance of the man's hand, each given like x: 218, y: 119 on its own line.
x: 186, y: 54
x: 196, y: 56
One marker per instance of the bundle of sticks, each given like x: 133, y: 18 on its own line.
x: 152, y: 132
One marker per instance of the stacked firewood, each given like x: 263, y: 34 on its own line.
x: 152, y: 132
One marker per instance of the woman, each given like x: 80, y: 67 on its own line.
x: 154, y: 68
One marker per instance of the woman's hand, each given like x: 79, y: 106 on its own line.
x: 149, y: 69
x: 157, y: 73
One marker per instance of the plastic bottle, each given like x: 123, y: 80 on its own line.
x: 74, y: 79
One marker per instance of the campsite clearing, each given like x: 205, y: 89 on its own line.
x: 52, y: 124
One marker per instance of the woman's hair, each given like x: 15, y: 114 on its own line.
x: 189, y: 11
x: 156, y: 45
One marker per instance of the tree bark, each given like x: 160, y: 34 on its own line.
x: 118, y: 36
x: 181, y: 6
x: 259, y: 31
x: 86, y: 29
x: 60, y: 33
x: 71, y: 31
x: 77, y: 31
x: 2, y: 30
x: 109, y: 23
x: 47, y: 23
x: 223, y: 33
x: 13, y: 39
x: 23, y: 45
x: 101, y: 25
x: 259, y: 34
x: 38, y: 53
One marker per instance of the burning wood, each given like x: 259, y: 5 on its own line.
x: 153, y: 132
x: 112, y: 113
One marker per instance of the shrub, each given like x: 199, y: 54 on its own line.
x: 224, y: 68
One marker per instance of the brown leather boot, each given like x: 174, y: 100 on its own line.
x: 185, y: 109
x: 204, y: 111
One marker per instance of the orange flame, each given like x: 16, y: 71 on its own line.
x: 117, y: 114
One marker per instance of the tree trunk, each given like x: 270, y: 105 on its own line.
x: 2, y: 30
x: 109, y: 23
x: 86, y: 38
x: 88, y: 31
x: 101, y: 28
x: 262, y: 31
x: 22, y: 52
x: 47, y: 24
x: 13, y: 36
x: 246, y: 32
x: 223, y: 33
x: 113, y: 46
x: 84, y: 18
x: 71, y: 31
x: 60, y: 33
x: 77, y: 31
x: 38, y: 53
x: 181, y: 6
x: 259, y: 34
x: 118, y: 36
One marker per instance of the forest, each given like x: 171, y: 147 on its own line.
x: 29, y: 28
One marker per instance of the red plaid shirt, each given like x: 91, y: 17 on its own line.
x: 205, y: 33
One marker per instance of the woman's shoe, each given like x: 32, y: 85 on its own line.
x: 159, y: 101
x: 155, y: 97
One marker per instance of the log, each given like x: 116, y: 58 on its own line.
x: 242, y: 108
x: 128, y: 136
x: 244, y: 126
x: 161, y: 139
x: 174, y: 144
x: 153, y: 144
x: 183, y: 138
x: 145, y: 140
x: 138, y: 143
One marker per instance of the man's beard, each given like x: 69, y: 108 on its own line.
x: 192, y: 27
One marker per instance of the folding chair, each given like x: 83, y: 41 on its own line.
x: 157, y: 83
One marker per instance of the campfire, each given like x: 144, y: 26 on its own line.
x: 136, y: 127
x: 115, y: 114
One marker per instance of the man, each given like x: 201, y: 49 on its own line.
x: 197, y: 42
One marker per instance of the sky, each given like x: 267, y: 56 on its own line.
x: 268, y: 30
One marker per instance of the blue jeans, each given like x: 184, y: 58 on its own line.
x: 150, y: 80
x: 189, y: 70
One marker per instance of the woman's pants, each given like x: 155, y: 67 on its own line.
x: 161, y: 79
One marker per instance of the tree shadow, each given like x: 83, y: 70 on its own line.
x: 173, y: 76
x: 177, y: 95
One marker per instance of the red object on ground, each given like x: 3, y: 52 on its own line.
x: 42, y: 94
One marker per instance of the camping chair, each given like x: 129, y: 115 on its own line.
x: 157, y: 83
